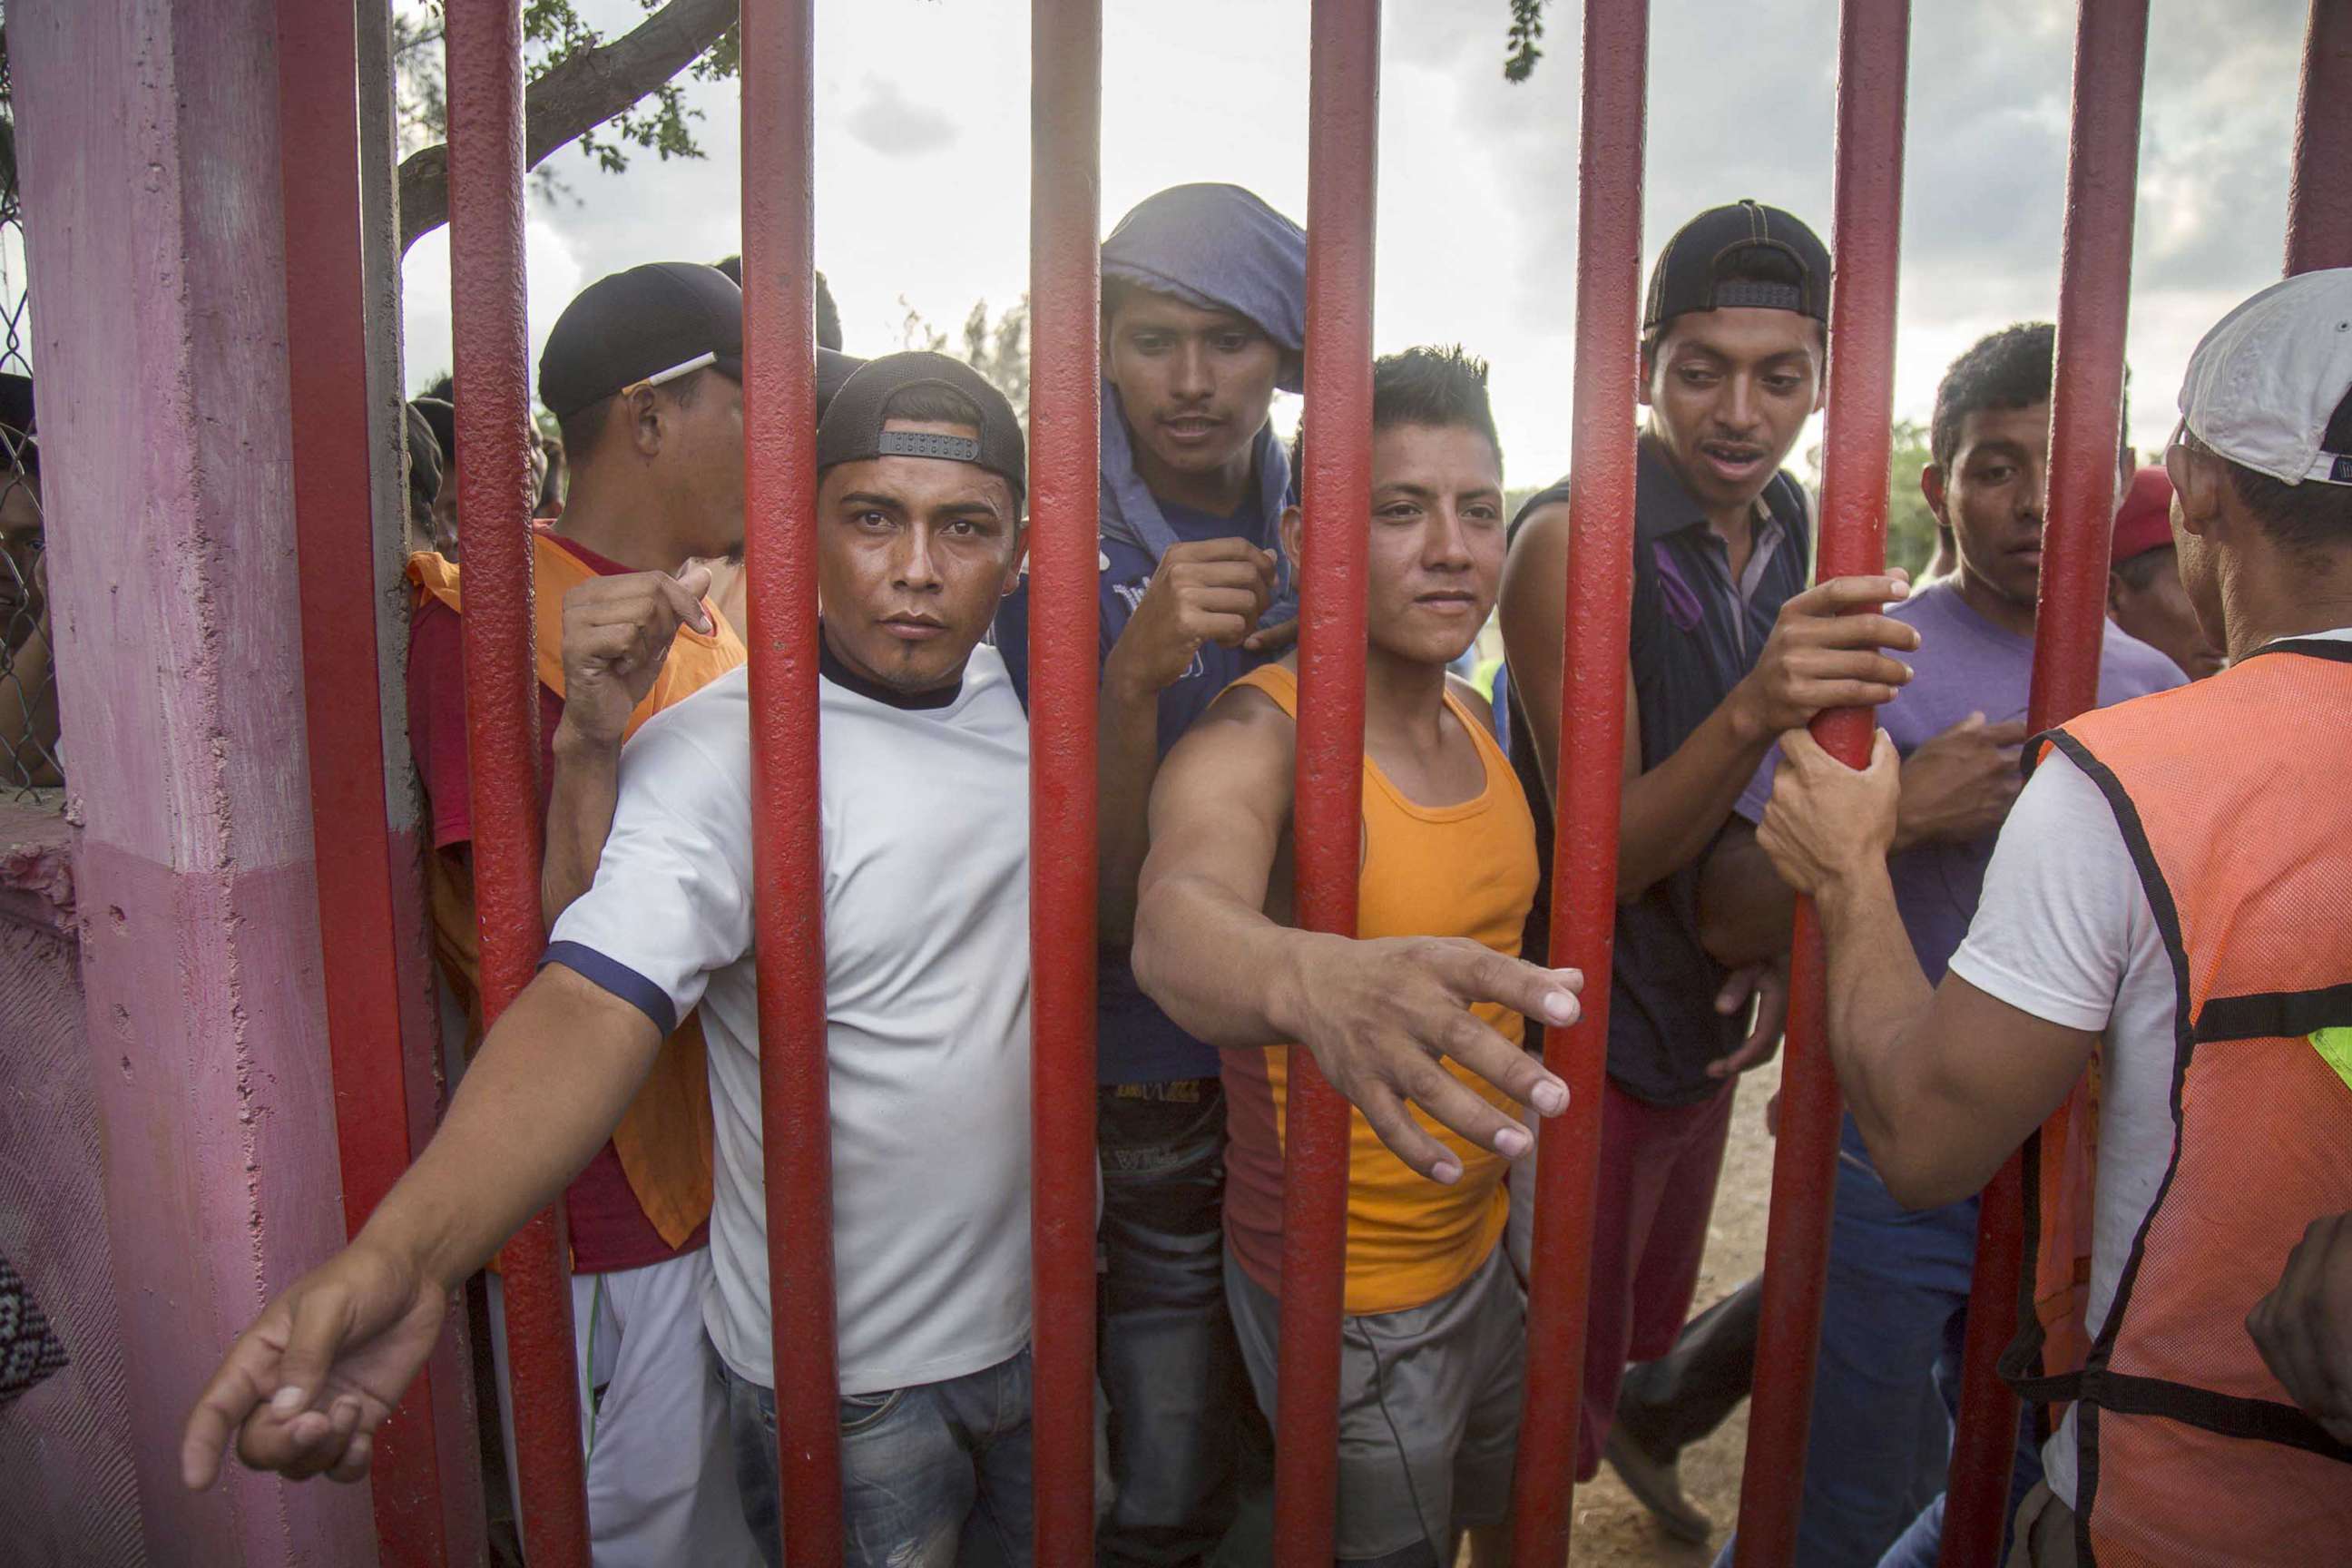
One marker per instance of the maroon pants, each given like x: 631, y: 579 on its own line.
x: 1658, y: 1169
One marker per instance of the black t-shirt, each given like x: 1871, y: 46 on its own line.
x: 1696, y: 634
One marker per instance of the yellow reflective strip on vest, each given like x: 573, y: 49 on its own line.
x: 2334, y: 1048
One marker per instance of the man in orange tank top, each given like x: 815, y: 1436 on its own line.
x: 1418, y: 1022
x: 2167, y: 898
x: 642, y: 370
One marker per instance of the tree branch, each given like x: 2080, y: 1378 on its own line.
x: 575, y: 97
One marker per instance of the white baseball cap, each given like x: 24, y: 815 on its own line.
x: 2266, y: 382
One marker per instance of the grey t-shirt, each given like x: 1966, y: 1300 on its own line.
x: 925, y: 817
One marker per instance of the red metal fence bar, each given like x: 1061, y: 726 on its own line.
x: 1343, y: 167
x: 2319, y: 205
x: 327, y: 387
x: 2086, y: 425
x: 1064, y: 391
x: 494, y: 496
x: 1592, y: 749
x: 1873, y: 43
x: 780, y: 566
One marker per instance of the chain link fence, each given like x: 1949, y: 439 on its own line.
x: 31, y: 756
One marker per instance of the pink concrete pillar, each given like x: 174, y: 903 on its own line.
x: 148, y: 146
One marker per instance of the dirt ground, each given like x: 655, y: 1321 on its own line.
x: 1611, y: 1527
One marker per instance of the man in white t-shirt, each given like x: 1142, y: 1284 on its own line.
x: 924, y: 823
x: 2166, y: 901
x: 924, y: 815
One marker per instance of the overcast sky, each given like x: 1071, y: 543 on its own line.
x: 922, y: 179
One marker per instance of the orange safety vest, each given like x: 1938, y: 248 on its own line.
x: 664, y: 1140
x: 2233, y: 799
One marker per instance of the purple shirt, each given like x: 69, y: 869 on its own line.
x: 1966, y: 664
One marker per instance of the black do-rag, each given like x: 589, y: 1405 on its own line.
x: 852, y: 432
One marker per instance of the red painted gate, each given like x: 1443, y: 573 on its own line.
x: 323, y: 270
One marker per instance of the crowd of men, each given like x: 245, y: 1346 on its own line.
x: 2122, y: 944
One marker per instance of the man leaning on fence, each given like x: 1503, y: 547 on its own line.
x: 1433, y: 1334
x: 1728, y: 648
x: 2163, y: 911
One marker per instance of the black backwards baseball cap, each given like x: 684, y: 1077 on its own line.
x: 850, y: 430
x: 652, y: 324
x: 1696, y: 270
x: 649, y: 324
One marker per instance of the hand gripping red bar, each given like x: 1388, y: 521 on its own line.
x: 780, y: 567
x: 327, y: 387
x: 1342, y: 164
x: 1064, y: 391
x: 1591, y: 748
x: 1873, y: 42
x: 494, y: 496
x: 2319, y: 206
x: 2086, y: 424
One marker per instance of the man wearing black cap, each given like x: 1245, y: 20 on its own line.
x: 642, y: 370
x: 1729, y: 649
x: 926, y: 846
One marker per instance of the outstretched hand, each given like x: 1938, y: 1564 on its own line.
x: 303, y: 1389
x: 1383, y: 1015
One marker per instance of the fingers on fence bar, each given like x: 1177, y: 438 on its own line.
x: 1584, y: 873
x: 1064, y: 628
x: 1873, y: 44
x: 1342, y: 163
x: 487, y: 298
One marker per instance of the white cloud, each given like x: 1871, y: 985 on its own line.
x: 895, y: 127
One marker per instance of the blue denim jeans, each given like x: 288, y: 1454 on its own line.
x: 1187, y: 1445
x: 935, y: 1476
x: 1893, y: 1321
x: 1920, y: 1546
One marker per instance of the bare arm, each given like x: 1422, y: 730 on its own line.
x: 1945, y: 1085
x: 1376, y: 1014
x: 1819, y: 656
x: 546, y: 1091
x: 617, y: 634
x: 1745, y: 910
x: 304, y: 1388
x: 579, y: 801
x: 1202, y: 592
x: 1126, y: 762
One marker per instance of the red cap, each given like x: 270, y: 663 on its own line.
x: 2145, y: 521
